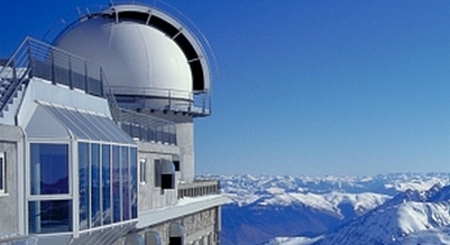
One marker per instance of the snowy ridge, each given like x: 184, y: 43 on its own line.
x: 327, y: 202
x: 318, y: 209
x: 293, y: 241
x: 391, y: 225
x: 411, y: 217
x: 249, y: 189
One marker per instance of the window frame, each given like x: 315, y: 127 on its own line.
x: 143, y: 171
x: 43, y: 197
x: 2, y: 173
x: 30, y: 197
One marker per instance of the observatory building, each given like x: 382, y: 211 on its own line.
x: 97, y: 134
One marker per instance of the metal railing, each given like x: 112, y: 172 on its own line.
x: 147, y: 128
x: 11, y: 78
x: 37, y: 59
x: 198, y: 188
x: 201, y: 103
x: 197, y: 104
x: 41, y: 60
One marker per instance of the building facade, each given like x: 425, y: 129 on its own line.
x: 96, y: 134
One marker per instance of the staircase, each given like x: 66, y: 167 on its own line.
x: 14, y: 76
x: 35, y: 59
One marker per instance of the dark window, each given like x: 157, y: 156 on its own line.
x: 164, y: 174
x: 175, y: 241
x: 176, y: 164
x: 167, y: 181
x: 157, y: 173
x: 49, y: 216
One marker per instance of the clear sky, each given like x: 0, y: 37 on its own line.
x: 305, y: 86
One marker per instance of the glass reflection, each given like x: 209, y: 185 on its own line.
x: 106, y: 184
x: 133, y: 182
x: 83, y: 164
x: 116, y: 184
x: 124, y: 182
x: 95, y: 185
x: 49, y: 216
x: 49, y: 166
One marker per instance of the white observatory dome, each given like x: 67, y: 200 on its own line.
x: 138, y: 59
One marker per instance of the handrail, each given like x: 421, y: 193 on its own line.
x: 61, y: 27
x: 9, y: 72
x: 198, y: 188
x: 199, y: 104
x: 37, y: 59
x: 194, y: 33
x: 61, y: 67
x: 147, y: 128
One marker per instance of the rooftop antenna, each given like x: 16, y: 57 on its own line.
x: 88, y: 12
x: 79, y: 12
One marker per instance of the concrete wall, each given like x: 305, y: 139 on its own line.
x: 10, y: 138
x: 185, y: 141
x: 151, y: 197
x: 197, y: 226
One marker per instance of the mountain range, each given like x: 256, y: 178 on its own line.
x: 401, y: 208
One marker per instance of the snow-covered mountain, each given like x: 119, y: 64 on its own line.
x: 391, y: 225
x: 264, y: 207
x: 411, y: 217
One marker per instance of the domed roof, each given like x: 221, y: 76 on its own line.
x: 139, y: 56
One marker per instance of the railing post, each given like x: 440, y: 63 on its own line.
x: 170, y: 99
x: 53, y: 66
x: 101, y: 82
x: 86, y: 78
x: 70, y: 72
x: 209, y: 104
x: 203, y: 104
x: 30, y: 59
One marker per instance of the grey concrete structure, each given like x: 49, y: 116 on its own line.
x: 101, y: 151
x: 11, y: 141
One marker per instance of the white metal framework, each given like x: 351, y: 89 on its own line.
x: 2, y: 173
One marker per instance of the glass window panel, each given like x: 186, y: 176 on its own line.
x: 116, y: 184
x: 76, y: 129
x: 106, y: 184
x: 114, y: 131
x: 133, y: 181
x: 91, y: 123
x: 83, y: 164
x: 95, y: 185
x: 89, y: 126
x: 124, y: 164
x: 78, y: 120
x: 49, y: 166
x: 49, y: 216
x: 105, y: 128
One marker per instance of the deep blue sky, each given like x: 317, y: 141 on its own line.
x: 308, y: 87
